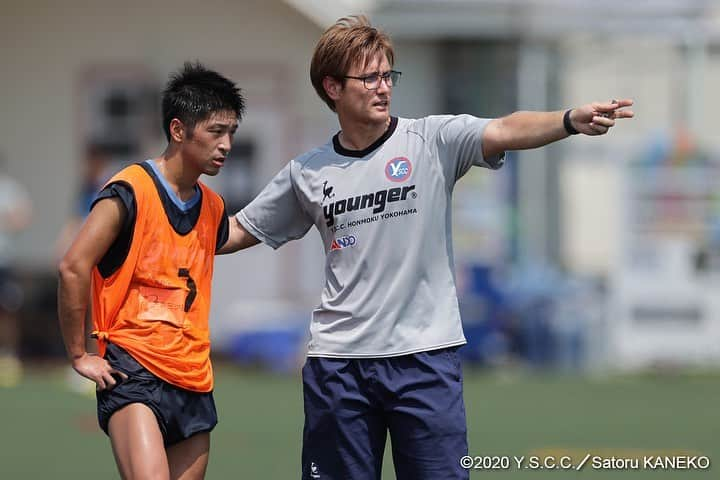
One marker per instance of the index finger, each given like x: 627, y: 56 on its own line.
x: 118, y: 373
x: 615, y: 104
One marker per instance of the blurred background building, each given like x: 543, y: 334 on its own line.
x: 592, y: 252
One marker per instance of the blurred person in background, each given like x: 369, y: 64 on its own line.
x: 383, y: 349
x: 97, y: 167
x: 146, y: 253
x: 15, y: 215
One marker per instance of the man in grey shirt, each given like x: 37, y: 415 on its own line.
x: 382, y: 353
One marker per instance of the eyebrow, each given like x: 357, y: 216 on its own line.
x: 376, y: 72
x: 224, y: 125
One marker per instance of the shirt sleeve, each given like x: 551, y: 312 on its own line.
x: 223, y: 231
x: 116, y: 254
x: 125, y: 193
x: 458, y: 139
x: 276, y: 215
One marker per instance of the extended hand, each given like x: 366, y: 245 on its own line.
x: 597, y: 118
x: 98, y: 370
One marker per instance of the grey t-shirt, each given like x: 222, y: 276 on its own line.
x: 384, y: 215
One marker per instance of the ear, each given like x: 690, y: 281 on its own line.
x: 333, y: 87
x: 177, y: 130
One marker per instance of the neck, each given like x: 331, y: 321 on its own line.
x: 180, y: 178
x: 356, y: 135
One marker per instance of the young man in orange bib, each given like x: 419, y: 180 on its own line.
x: 145, y: 257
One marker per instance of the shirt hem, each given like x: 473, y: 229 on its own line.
x: 387, y: 355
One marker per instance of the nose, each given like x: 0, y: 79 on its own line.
x: 225, y: 144
x: 384, y: 85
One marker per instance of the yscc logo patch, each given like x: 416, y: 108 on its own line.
x: 398, y: 169
x: 343, y: 242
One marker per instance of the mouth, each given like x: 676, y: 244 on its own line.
x: 218, y: 161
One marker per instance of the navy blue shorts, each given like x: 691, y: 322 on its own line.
x: 180, y: 413
x: 351, y: 404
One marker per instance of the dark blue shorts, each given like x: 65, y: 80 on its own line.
x: 180, y: 413
x: 351, y: 404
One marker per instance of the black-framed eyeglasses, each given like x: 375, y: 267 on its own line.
x: 372, y: 81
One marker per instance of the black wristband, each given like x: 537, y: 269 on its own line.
x: 568, y: 124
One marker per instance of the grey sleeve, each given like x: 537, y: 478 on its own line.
x: 458, y: 139
x: 276, y: 215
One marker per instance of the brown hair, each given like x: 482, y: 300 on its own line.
x: 350, y: 40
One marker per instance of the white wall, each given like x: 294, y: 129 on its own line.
x: 45, y: 46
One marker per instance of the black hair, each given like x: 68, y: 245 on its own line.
x: 195, y: 93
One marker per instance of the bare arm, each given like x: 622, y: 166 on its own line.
x: 524, y: 130
x: 238, y: 238
x: 94, y: 239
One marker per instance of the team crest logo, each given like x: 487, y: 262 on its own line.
x: 398, y: 169
x: 343, y: 242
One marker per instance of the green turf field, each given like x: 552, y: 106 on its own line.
x: 49, y: 432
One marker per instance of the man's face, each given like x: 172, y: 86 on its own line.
x: 208, y: 144
x: 358, y: 103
